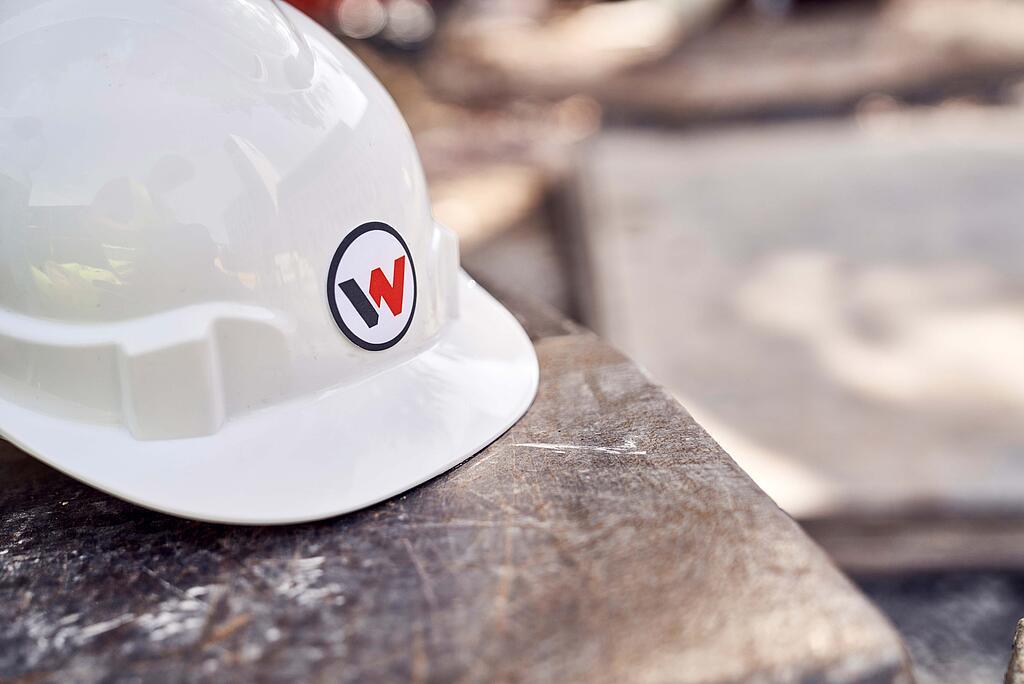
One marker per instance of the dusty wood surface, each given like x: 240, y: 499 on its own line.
x: 604, y: 538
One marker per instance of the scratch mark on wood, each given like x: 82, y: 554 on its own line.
x: 628, y: 448
x: 79, y: 635
x: 226, y: 629
x: 425, y: 583
x: 170, y: 587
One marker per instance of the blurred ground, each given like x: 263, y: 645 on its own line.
x: 841, y: 303
x: 803, y: 219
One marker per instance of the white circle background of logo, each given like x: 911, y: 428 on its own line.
x: 370, y: 246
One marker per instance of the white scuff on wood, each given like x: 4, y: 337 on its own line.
x: 70, y: 633
x: 627, y: 448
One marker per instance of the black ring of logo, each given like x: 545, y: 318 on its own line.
x: 332, y: 274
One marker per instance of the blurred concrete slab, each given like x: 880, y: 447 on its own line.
x: 604, y: 538
x: 841, y: 304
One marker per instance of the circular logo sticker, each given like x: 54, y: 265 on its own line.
x: 371, y: 286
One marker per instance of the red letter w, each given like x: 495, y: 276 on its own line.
x: 392, y: 292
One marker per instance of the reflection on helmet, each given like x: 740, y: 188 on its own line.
x: 175, y: 180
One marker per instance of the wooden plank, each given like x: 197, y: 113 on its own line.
x: 927, y: 541
x: 744, y: 65
x: 604, y: 538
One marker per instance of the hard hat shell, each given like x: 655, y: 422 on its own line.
x: 222, y: 293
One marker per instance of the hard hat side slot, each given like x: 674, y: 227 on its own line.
x: 168, y: 376
x: 255, y: 364
x: 446, y: 254
x: 173, y: 392
x: 78, y: 382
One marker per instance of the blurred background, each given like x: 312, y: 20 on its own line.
x: 803, y: 217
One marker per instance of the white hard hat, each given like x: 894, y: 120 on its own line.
x: 222, y: 294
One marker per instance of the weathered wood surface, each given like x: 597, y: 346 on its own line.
x: 1015, y: 669
x: 604, y: 538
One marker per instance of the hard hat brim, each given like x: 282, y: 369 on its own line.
x: 315, y: 457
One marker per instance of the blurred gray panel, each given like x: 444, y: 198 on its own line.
x: 840, y: 304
